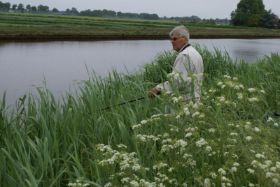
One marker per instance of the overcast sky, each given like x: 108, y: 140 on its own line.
x: 201, y: 8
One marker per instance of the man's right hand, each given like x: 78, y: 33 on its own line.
x: 153, y: 92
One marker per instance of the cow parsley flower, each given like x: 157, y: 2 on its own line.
x: 200, y: 142
x: 251, y: 170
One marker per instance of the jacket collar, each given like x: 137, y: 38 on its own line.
x: 184, y: 47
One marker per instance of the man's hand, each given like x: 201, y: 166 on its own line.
x: 153, y: 92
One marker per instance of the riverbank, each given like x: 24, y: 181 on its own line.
x: 34, y: 27
x: 231, y: 138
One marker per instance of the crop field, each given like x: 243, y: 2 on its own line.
x: 231, y: 138
x: 23, y: 26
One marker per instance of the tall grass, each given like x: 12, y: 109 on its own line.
x: 230, y: 139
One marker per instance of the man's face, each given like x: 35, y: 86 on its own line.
x: 178, y: 41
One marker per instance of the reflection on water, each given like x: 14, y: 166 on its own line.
x: 23, y: 65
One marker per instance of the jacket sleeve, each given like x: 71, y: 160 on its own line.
x: 179, y: 78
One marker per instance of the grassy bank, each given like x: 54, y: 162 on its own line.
x: 230, y: 139
x: 50, y: 27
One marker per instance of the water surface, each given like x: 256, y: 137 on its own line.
x: 23, y: 66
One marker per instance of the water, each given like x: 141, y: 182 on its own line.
x: 24, y: 66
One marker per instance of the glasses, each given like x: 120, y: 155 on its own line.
x: 175, y: 38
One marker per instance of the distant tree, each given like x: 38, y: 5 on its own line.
x: 20, y: 7
x: 55, y: 10
x: 14, y: 7
x: 4, y: 7
x: 248, y: 13
x: 86, y: 13
x: 43, y: 9
x: 127, y: 15
x: 148, y: 16
x: 28, y: 8
x: 33, y: 9
x: 74, y: 11
x: 270, y: 20
x: 104, y: 13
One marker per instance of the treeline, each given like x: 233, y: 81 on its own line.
x: 248, y: 13
x: 198, y: 20
x: 7, y: 7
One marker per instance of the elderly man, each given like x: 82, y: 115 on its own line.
x: 187, y: 72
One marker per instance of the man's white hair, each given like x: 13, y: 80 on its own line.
x: 181, y: 30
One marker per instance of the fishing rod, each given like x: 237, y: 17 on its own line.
x: 123, y: 103
x: 130, y: 101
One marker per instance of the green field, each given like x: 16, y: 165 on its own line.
x: 231, y: 138
x: 50, y: 27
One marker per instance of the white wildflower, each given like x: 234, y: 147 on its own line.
x: 241, y: 86
x: 262, y: 91
x: 239, y: 96
x: 212, y: 130
x: 278, y: 165
x: 254, y: 163
x: 233, y: 169
x: 251, y: 90
x: 256, y: 129
x: 236, y: 164
x: 180, y: 143
x: 276, y: 181
x: 251, y: 185
x: 273, y: 169
x: 220, y: 83
x: 236, y: 87
x: 195, y: 114
x: 251, y: 170
x: 201, y: 116
x: 258, y: 155
x: 275, y: 125
x: 233, y: 134
x: 227, y: 77
x: 200, y: 142
x: 136, y: 167
x: 213, y: 175
x: 269, y: 175
x: 186, y: 111
x: 108, y: 184
x: 143, y: 122
x: 207, y: 183
x: 141, y: 137
x: 221, y: 99
x: 136, y: 126
x: 208, y: 149
x: 122, y: 146
x: 134, y: 183
x: 171, y: 169
x: 175, y: 100
x: 189, y: 134
x: 270, y: 119
x: 253, y: 99
x: 125, y: 180
x: 178, y: 116
x: 248, y: 138
x: 222, y: 171
x: 268, y: 162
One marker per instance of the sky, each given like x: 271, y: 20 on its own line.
x: 201, y: 8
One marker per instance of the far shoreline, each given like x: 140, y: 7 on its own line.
x: 46, y: 38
